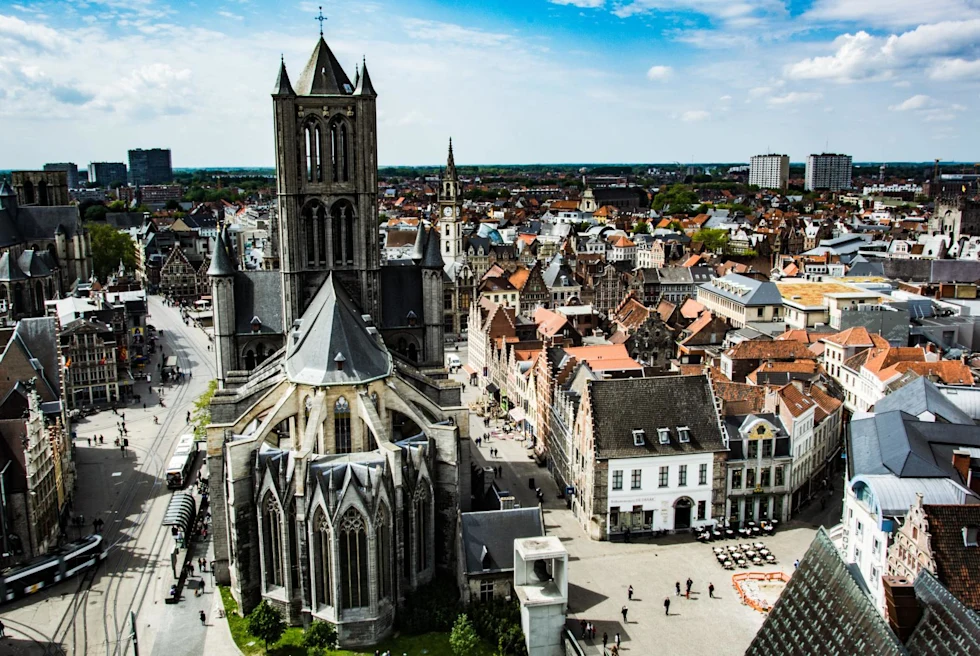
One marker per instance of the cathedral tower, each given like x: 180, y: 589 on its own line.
x: 450, y: 214
x: 326, y: 173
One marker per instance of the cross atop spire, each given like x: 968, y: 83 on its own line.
x: 321, y: 18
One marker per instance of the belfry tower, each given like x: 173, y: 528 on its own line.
x: 327, y: 179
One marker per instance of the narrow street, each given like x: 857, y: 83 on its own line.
x: 90, y: 614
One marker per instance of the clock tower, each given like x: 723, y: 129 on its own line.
x: 450, y: 212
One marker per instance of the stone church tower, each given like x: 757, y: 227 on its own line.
x: 326, y: 169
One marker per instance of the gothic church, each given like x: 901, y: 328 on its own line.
x: 335, y: 460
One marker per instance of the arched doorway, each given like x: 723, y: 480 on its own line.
x: 682, y: 513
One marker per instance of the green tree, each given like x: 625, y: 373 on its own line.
x: 320, y: 637
x: 109, y: 247
x: 463, y: 638
x: 117, y: 206
x: 714, y: 239
x: 265, y: 623
x: 675, y: 199
x: 172, y: 205
x: 641, y: 228
x: 94, y: 213
x: 201, y: 416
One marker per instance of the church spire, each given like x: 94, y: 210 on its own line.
x: 283, y: 87
x: 451, y: 162
x: 364, y: 86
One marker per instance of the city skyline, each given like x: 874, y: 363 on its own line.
x: 679, y: 80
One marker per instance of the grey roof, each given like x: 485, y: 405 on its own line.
x: 621, y: 406
x: 893, y: 496
x: 364, y: 86
x: 556, y: 269
x: 331, y: 325
x: 35, y: 264
x: 323, y: 75
x: 899, y: 444
x: 433, y: 258
x: 258, y: 293
x: 825, y: 609
x: 675, y: 275
x: 920, y: 396
x: 38, y: 339
x: 283, y: 87
x: 418, y: 250
x: 9, y: 234
x: 221, y: 261
x: 10, y: 269
x: 752, y: 292
x: 491, y: 535
x: 947, y: 628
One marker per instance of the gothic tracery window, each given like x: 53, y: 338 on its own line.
x: 342, y: 218
x: 322, y: 560
x: 423, y: 526
x: 341, y: 425
x: 354, y: 579
x: 382, y: 544
x: 272, y: 542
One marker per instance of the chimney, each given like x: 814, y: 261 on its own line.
x: 901, y: 605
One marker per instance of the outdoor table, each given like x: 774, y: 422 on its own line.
x: 770, y: 558
x: 729, y: 533
x: 759, y: 545
x: 757, y: 561
x: 764, y: 552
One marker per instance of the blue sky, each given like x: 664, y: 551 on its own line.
x: 511, y: 81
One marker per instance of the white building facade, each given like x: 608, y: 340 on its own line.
x: 828, y: 171
x: 769, y: 171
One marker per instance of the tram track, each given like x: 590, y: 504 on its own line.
x: 75, y: 618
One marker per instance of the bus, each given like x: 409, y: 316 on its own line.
x: 179, y: 467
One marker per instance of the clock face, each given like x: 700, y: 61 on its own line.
x: 447, y: 211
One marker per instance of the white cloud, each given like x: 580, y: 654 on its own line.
x: 725, y: 98
x: 14, y: 32
x: 955, y: 69
x: 897, y: 13
x: 918, y: 101
x: 861, y: 56
x: 229, y: 15
x: 795, y: 98
x: 695, y: 115
x: 659, y: 73
x: 429, y: 30
x: 583, y: 4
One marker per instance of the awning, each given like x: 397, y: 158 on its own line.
x: 517, y: 414
x: 492, y: 389
x: 180, y: 512
x: 468, y: 369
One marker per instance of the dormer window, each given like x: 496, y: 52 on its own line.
x: 683, y: 434
x: 256, y: 324
x: 339, y: 360
x: 970, y: 536
x: 664, y: 435
x: 412, y: 318
x: 639, y: 437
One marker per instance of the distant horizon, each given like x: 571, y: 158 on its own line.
x: 464, y: 165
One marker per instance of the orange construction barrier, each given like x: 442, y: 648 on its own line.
x: 758, y: 604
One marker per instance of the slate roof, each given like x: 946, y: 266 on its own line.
x: 957, y: 565
x: 323, y: 75
x: 283, y: 87
x: 258, y: 294
x: 893, y: 496
x: 222, y: 262
x: 756, y: 292
x: 332, y: 328
x: 364, y: 86
x: 623, y: 405
x: 947, y: 627
x: 492, y: 534
x: 899, y: 444
x: 920, y: 396
x: 825, y: 609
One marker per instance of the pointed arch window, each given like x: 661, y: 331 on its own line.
x: 272, y: 542
x: 382, y: 545
x: 354, y: 580
x: 341, y: 425
x: 322, y: 560
x: 321, y: 234
x: 423, y: 527
x: 310, y: 149
x: 342, y: 218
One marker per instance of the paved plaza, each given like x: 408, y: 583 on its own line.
x: 601, y: 572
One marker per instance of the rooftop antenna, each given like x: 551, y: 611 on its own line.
x: 321, y: 18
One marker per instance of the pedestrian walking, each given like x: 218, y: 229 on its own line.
x: 605, y: 640
x: 90, y: 441
x: 203, y: 618
x: 796, y: 564
x: 677, y: 587
x: 711, y: 590
x: 689, y: 584
x: 188, y: 416
x: 2, y: 629
x: 666, y: 605
x: 584, y: 626
x: 630, y: 593
x: 625, y: 611
x: 590, y: 630
x: 617, y: 640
